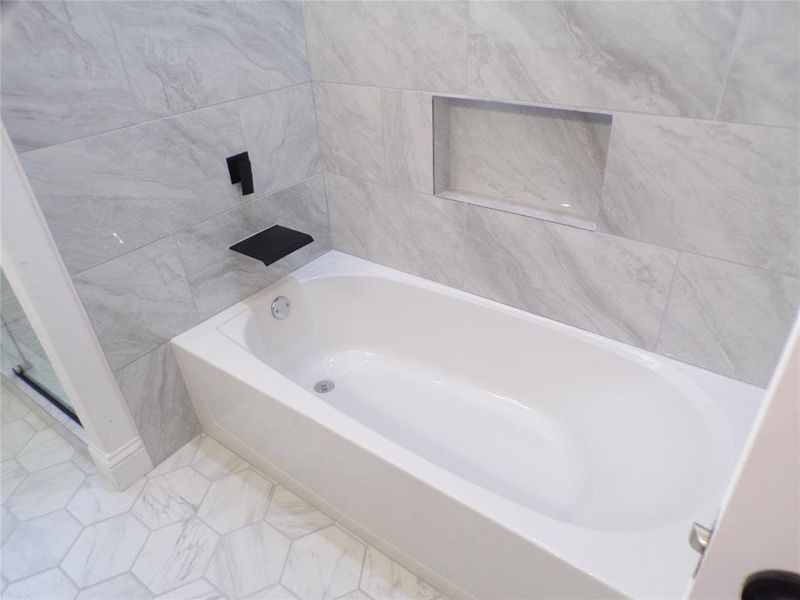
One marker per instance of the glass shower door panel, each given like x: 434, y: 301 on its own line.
x: 20, y: 349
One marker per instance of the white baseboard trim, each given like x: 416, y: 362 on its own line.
x: 125, y: 465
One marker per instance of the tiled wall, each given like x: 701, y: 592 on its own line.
x: 124, y: 113
x: 697, y: 250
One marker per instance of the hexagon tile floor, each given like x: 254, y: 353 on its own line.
x: 203, y: 525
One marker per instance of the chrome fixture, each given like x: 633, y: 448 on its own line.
x: 281, y: 307
x: 324, y: 386
x: 699, y: 537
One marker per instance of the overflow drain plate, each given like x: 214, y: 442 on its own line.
x: 323, y: 387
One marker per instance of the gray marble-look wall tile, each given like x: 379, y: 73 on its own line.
x: 718, y: 189
x: 660, y: 57
x: 138, y: 301
x: 159, y: 403
x: 729, y: 318
x: 412, y: 232
x: 763, y: 84
x: 62, y: 74
x: 107, y: 195
x: 605, y: 284
x: 529, y: 158
x: 220, y: 277
x: 184, y: 55
x: 351, y: 130
x: 280, y: 131
x: 415, y: 45
x: 408, y: 137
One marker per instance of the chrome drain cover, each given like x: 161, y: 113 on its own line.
x: 323, y: 387
x: 281, y: 307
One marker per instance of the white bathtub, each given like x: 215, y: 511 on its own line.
x: 502, y: 454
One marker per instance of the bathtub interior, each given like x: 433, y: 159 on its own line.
x: 584, y: 430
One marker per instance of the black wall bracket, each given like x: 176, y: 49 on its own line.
x: 272, y: 244
x: 241, y: 171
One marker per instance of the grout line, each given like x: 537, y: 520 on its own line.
x: 165, y: 117
x: 384, y: 137
x: 567, y: 107
x: 136, y: 102
x: 667, y: 302
x: 731, y: 58
x: 363, y: 565
x: 183, y: 229
x: 189, y: 285
x: 588, y: 232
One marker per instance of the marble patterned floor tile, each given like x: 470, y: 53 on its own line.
x: 38, y: 544
x: 175, y: 555
x: 119, y: 558
x: 11, y: 409
x: 107, y: 195
x: 98, y: 499
x: 14, y: 436
x: 69, y: 49
x: 718, y: 189
x: 197, y: 590
x: 49, y: 585
x: 45, y: 449
x: 170, y: 497
x: 657, y: 57
x: 408, y: 139
x: 184, y: 55
x: 122, y: 587
x: 104, y: 550
x: 762, y: 85
x: 84, y: 463
x: 280, y: 132
x: 138, y: 302
x: 248, y: 560
x: 385, y: 579
x: 727, y: 318
x: 214, y: 461
x: 8, y: 523
x: 413, y: 45
x: 44, y: 491
x: 11, y: 475
x: 405, y: 230
x: 36, y: 421
x: 276, y: 592
x: 601, y: 283
x: 179, y: 459
x: 219, y: 277
x: 356, y: 595
x: 351, y: 130
x: 294, y: 516
x: 324, y: 565
x: 252, y: 492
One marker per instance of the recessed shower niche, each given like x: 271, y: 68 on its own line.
x: 540, y: 162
